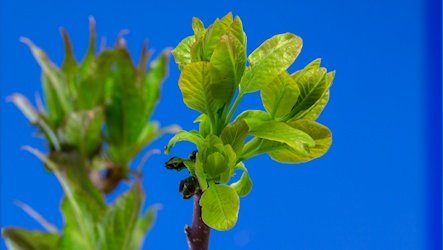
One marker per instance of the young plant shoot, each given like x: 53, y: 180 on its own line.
x: 96, y: 120
x: 215, y: 75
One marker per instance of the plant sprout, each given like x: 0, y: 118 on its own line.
x: 215, y: 75
x: 96, y: 120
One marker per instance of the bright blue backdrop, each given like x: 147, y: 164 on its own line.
x: 377, y: 187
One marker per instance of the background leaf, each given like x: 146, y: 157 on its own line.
x: 20, y: 239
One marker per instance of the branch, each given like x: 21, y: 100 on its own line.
x: 198, y: 234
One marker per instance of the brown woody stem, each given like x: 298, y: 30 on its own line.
x: 198, y: 233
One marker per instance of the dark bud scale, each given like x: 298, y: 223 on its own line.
x: 175, y: 163
x: 193, y: 155
x: 188, y: 187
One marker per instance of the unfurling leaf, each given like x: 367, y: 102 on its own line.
x: 192, y: 136
x: 244, y: 185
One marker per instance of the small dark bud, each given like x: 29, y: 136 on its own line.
x: 175, y: 163
x: 193, y: 155
x: 188, y: 187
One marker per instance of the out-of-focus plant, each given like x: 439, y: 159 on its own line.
x: 215, y: 69
x: 95, y: 121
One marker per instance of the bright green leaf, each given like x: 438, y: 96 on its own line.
x: 320, y: 133
x: 235, y: 135
x: 244, y: 185
x: 281, y: 132
x: 182, y: 53
x: 318, y: 107
x: 280, y: 95
x: 227, y: 66
x: 269, y: 60
x: 215, y: 164
x: 205, y: 125
x: 220, y: 205
x: 200, y: 171
x: 192, y: 136
x: 196, y: 86
x: 313, y: 83
x: 213, y: 35
x: 254, y: 118
x: 198, y: 27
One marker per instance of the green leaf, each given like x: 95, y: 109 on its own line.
x: 280, y: 95
x: 215, y: 164
x: 200, y: 171
x: 313, y: 83
x: 69, y: 66
x: 91, y: 88
x: 196, y: 86
x: 90, y: 53
x: 220, y: 205
x: 213, y: 35
x: 254, y: 118
x: 35, y: 118
x: 144, y: 224
x: 244, y: 185
x: 124, y: 103
x: 54, y: 77
x: 20, y: 239
x: 282, y: 132
x: 235, y: 134
x: 229, y: 59
x: 205, y: 125
x: 153, y: 81
x: 81, y: 215
x: 121, y: 219
x: 318, y: 107
x: 198, y: 27
x: 236, y: 29
x: 320, y: 133
x: 182, y: 53
x: 83, y: 130
x: 269, y: 60
x: 231, y: 160
x: 192, y: 136
x: 127, y: 107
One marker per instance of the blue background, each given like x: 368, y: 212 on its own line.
x: 379, y: 186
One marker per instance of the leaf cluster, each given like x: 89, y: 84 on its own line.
x: 216, y: 74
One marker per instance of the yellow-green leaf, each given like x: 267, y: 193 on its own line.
x: 282, y: 132
x: 269, y: 60
x: 220, y: 205
x: 280, y: 95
